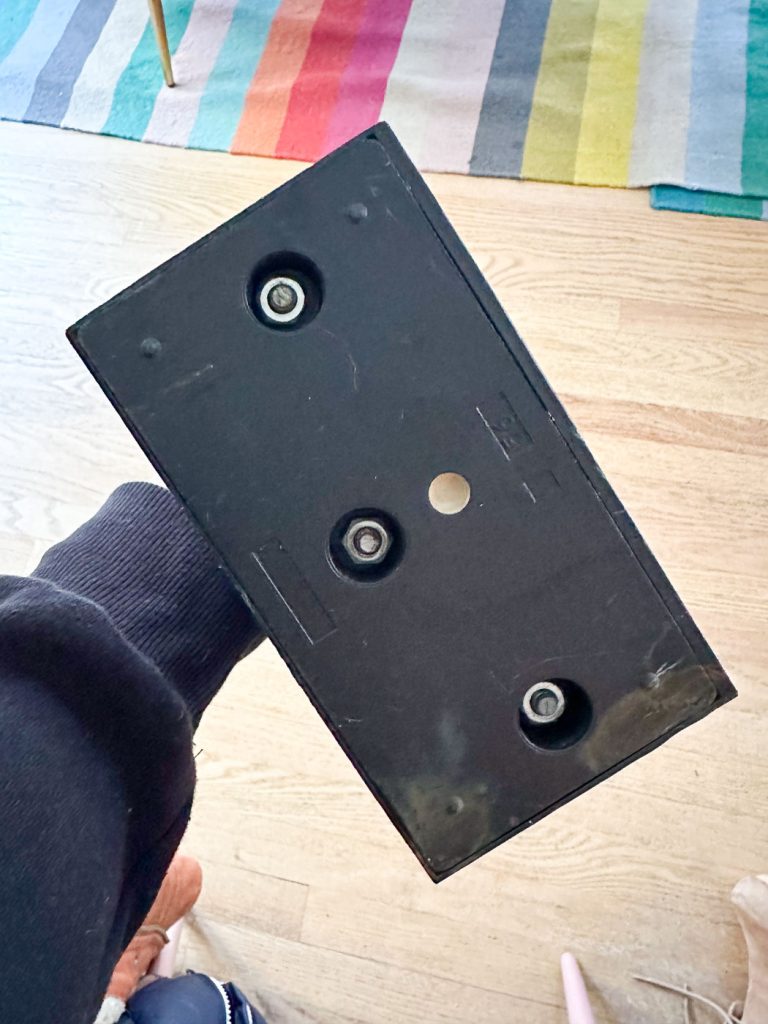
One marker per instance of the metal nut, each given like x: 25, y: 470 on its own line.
x: 367, y: 541
x: 543, y: 703
x: 282, y: 300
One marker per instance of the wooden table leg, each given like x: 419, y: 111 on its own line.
x: 158, y: 22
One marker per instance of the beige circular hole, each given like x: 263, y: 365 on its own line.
x: 449, y: 493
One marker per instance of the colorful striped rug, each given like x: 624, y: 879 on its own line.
x: 671, y: 93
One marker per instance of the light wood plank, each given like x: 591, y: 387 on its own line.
x: 235, y: 894
x: 15, y: 554
x: 328, y: 986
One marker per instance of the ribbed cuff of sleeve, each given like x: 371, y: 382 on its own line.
x: 143, y: 560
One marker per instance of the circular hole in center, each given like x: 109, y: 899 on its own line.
x: 449, y: 493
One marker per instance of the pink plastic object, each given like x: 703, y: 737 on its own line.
x: 165, y: 961
x: 576, y: 999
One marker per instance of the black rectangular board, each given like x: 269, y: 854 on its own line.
x: 403, y: 366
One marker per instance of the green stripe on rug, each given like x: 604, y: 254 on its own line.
x: 716, y: 204
x: 754, y: 159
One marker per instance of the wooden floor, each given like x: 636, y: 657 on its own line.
x: 653, y: 328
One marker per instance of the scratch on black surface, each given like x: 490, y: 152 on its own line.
x: 353, y: 364
x: 659, y: 639
x: 656, y: 677
x: 492, y: 432
x: 187, y: 379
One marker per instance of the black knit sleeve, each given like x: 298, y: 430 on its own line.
x: 108, y: 655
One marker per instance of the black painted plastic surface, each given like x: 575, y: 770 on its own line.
x: 405, y: 368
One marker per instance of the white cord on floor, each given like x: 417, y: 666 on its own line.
x: 726, y: 1016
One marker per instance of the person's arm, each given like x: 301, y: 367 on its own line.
x: 109, y: 654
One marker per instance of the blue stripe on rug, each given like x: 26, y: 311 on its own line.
x: 19, y: 71
x: 54, y: 85
x: 501, y: 130
x: 718, y: 100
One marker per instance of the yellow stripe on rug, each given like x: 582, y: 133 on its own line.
x: 610, y: 101
x: 553, y: 127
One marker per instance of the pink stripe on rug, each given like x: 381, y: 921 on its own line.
x: 364, y: 81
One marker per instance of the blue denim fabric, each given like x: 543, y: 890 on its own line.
x: 190, y: 999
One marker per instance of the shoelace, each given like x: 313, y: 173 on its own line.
x: 725, y: 1016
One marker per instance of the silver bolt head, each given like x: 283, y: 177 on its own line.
x: 282, y: 300
x: 543, y: 703
x: 367, y: 541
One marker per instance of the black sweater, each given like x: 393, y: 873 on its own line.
x: 109, y: 654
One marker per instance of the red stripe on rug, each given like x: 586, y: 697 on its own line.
x: 364, y: 81
x: 316, y: 89
x: 269, y: 93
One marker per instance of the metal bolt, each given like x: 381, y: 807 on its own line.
x: 367, y: 541
x: 543, y: 703
x: 282, y: 299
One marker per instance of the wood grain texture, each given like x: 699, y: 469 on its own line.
x: 652, y: 328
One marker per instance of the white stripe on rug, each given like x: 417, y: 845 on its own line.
x: 660, y: 137
x: 410, y: 81
x: 463, y: 74
x: 92, y: 95
x: 19, y: 70
x: 176, y: 109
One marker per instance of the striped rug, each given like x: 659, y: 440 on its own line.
x: 671, y: 93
